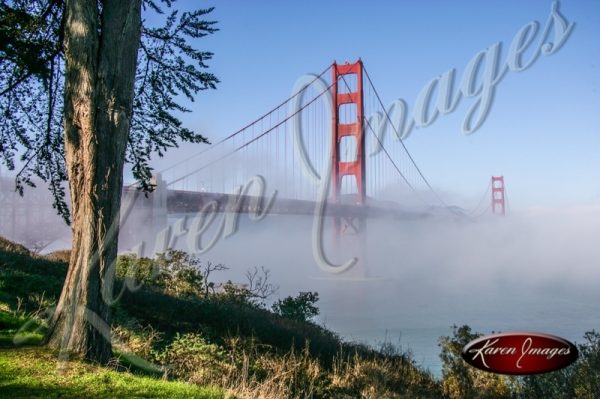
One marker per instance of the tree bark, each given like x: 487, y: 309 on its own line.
x: 101, y: 45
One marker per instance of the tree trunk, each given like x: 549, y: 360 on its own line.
x: 101, y: 47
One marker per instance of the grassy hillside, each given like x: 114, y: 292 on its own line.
x: 35, y: 373
x: 168, y: 330
x: 177, y: 327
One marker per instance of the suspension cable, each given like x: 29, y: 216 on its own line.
x: 251, y: 141
x: 276, y: 108
x: 483, y: 197
x: 482, y: 213
x: 389, y: 119
x: 385, y: 150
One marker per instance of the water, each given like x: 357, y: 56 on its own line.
x: 415, y: 322
x: 534, y: 271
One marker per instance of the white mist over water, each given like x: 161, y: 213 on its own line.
x: 532, y: 270
x: 537, y: 270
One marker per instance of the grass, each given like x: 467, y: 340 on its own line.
x: 201, y: 342
x: 35, y: 372
x: 215, y: 346
x: 18, y: 329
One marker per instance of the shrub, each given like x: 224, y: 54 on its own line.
x: 581, y: 380
x: 587, y: 374
x: 175, y: 272
x: 137, y: 270
x: 301, y: 308
x: 235, y: 293
x: 463, y: 381
x: 179, y: 273
x: 135, y: 338
x: 191, y: 357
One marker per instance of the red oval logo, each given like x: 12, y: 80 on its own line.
x: 520, y: 353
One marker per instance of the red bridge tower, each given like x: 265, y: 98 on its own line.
x: 348, y: 130
x: 498, y: 196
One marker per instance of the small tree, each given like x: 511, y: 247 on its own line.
x: 179, y: 274
x: 259, y: 286
x: 207, y: 270
x: 254, y: 292
x: 300, y: 308
x: 137, y: 271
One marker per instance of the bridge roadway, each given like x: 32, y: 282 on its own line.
x: 181, y: 202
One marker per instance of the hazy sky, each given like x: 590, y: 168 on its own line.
x: 542, y: 132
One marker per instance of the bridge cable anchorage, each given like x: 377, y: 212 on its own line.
x: 253, y: 140
x: 389, y: 119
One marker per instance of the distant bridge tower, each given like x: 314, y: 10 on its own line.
x: 351, y: 133
x: 498, y: 196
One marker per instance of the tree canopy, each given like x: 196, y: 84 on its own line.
x: 32, y: 81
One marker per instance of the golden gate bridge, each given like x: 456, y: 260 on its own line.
x: 332, y: 141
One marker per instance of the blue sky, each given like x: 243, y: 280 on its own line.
x: 542, y: 132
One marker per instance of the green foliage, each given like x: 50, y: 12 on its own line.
x: 557, y: 384
x: 22, y: 42
x: 219, y: 318
x: 182, y: 275
x: 235, y: 293
x: 191, y: 357
x: 18, y: 329
x: 587, y: 373
x: 168, y: 66
x: 301, y: 308
x: 34, y: 373
x: 32, y: 84
x: 460, y: 380
x: 223, y: 339
x: 137, y: 271
x: 253, y: 293
x: 31, y: 81
x: 179, y: 274
x: 30, y: 278
x: 11, y: 321
x: 580, y: 380
x: 128, y: 333
x: 241, y: 345
x: 174, y: 272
